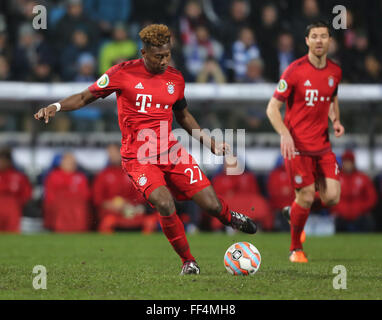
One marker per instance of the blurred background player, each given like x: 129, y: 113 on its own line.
x: 15, y: 192
x: 280, y: 193
x: 66, y: 198
x: 309, y: 86
x: 240, y: 189
x: 148, y: 91
x: 358, y: 198
x: 118, y: 203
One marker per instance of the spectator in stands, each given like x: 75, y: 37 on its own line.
x: 5, y: 72
x: 285, y: 51
x: 4, y: 44
x: 238, y: 18
x: 15, y: 192
x: 107, y: 13
x: 197, y: 54
x: 42, y: 72
x: 192, y: 17
x: 266, y: 33
x: 211, y: 72
x: 280, y: 193
x: 310, y: 12
x: 118, y: 203
x: 31, y: 50
x: 254, y: 71
x: 69, y: 58
x: 358, y: 198
x: 353, y: 59
x: 86, y: 65
x: 74, y: 19
x: 66, y: 198
x: 242, y: 193
x: 121, y: 48
x: 244, y: 49
x: 349, y: 36
x: 373, y: 70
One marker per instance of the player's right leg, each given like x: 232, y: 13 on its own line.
x: 149, y: 180
x: 173, y: 228
x: 298, y: 215
x: 301, y: 172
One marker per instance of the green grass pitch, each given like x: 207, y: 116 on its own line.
x: 136, y: 266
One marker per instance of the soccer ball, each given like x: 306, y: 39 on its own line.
x: 242, y: 258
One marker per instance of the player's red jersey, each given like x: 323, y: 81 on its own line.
x: 15, y: 191
x: 308, y: 92
x: 145, y: 103
x: 358, y: 195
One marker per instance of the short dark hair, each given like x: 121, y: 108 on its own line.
x: 318, y: 24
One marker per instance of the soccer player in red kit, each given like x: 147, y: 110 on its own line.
x: 148, y: 92
x: 309, y: 87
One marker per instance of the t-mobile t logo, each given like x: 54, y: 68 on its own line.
x: 145, y: 101
x: 310, y: 96
x: 143, y: 104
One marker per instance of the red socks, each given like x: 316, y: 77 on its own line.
x: 298, y: 217
x: 225, y: 213
x: 173, y: 228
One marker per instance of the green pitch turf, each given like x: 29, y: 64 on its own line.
x: 137, y: 266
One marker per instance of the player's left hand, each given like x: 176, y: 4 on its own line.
x: 221, y: 148
x: 339, y: 129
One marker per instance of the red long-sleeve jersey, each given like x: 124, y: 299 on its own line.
x: 15, y: 191
x: 66, y: 201
x: 280, y: 190
x: 358, y: 196
x: 226, y: 185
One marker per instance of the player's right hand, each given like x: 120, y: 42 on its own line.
x: 46, y: 113
x: 287, y: 146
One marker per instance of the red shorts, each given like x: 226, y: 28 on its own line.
x: 183, y: 178
x: 305, y: 170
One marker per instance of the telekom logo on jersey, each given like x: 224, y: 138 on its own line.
x: 144, y: 101
x: 310, y: 96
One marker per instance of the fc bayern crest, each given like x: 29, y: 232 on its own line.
x: 142, y: 180
x: 331, y: 81
x: 298, y: 179
x: 170, y: 87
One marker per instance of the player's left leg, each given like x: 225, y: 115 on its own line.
x: 330, y: 191
x: 173, y: 227
x: 329, y: 186
x: 208, y: 200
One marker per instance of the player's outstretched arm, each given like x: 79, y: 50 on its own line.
x: 334, y: 116
x: 286, y: 141
x: 187, y: 121
x: 71, y: 103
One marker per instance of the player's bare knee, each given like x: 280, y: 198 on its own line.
x: 331, y: 198
x: 165, y: 206
x: 305, y: 198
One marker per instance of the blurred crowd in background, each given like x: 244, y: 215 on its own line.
x: 245, y: 41
x: 73, y: 200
